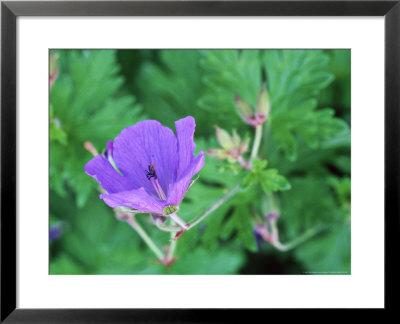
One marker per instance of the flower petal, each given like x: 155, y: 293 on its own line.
x: 110, y: 180
x: 138, y: 146
x: 186, y: 146
x: 178, y: 189
x: 137, y: 199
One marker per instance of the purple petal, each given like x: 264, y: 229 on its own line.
x: 186, y: 146
x: 259, y: 239
x: 137, y: 199
x: 55, y: 232
x: 178, y: 189
x: 110, y: 180
x: 140, y: 145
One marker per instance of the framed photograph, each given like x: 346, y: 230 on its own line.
x: 197, y: 158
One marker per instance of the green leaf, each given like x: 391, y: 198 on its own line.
x: 226, y: 73
x: 56, y: 132
x: 329, y: 253
x: 222, y: 261
x: 244, y: 225
x: 64, y: 264
x: 253, y: 176
x: 342, y: 188
x: 259, y: 165
x: 211, y: 186
x: 170, y: 88
x: 295, y: 78
x: 338, y: 94
x: 85, y: 106
x: 311, y: 203
x: 271, y: 180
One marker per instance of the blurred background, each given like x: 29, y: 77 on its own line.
x: 94, y: 94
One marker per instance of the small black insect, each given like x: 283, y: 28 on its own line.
x: 151, y: 172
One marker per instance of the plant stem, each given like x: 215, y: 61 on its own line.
x: 167, y: 228
x: 215, y: 206
x: 244, y: 164
x: 298, y: 240
x: 256, y: 143
x: 172, y: 247
x: 135, y: 225
x: 174, y: 217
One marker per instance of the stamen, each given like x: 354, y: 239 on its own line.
x: 159, y: 190
x: 152, y: 176
x: 151, y: 172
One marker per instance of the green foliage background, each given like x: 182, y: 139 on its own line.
x: 307, y: 140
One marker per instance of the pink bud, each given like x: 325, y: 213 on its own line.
x: 244, y: 109
x: 53, y: 68
x: 224, y: 139
x: 258, y: 116
x: 263, y: 105
x: 232, y: 148
x: 90, y: 147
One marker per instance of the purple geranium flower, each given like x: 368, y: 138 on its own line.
x: 147, y: 167
x: 55, y: 232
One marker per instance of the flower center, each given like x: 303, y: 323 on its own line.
x: 151, y: 172
x: 152, y: 176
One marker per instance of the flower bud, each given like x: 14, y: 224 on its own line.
x: 158, y: 219
x: 244, y: 146
x: 264, y: 232
x: 235, y: 139
x: 232, y: 147
x: 260, y: 114
x: 53, y: 68
x: 217, y: 153
x: 244, y: 109
x: 90, y: 147
x: 56, y: 231
x: 224, y: 139
x: 263, y: 105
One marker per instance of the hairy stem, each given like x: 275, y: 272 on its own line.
x: 284, y: 247
x: 172, y: 247
x: 244, y: 164
x: 215, y: 206
x: 146, y: 238
x: 174, y: 217
x: 256, y: 143
x: 167, y: 228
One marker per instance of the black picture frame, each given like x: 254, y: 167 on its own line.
x: 10, y: 10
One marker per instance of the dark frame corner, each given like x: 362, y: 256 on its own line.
x: 10, y: 10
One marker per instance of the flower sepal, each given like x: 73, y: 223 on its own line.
x: 232, y: 147
x: 53, y: 70
x: 169, y: 210
x: 257, y: 116
x: 268, y: 230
